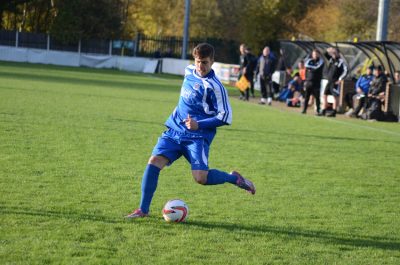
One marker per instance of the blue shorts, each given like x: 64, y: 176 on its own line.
x: 173, y: 145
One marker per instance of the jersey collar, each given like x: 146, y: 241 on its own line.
x: 209, y: 75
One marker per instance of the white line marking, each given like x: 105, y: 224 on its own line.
x: 364, y: 126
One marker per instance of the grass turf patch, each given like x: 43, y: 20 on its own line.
x: 74, y: 143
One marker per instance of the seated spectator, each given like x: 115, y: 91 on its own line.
x: 397, y: 77
x: 359, y: 93
x: 291, y: 94
x: 389, y: 77
x: 376, y: 95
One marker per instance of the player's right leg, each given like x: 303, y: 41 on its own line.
x: 164, y: 153
x: 149, y: 185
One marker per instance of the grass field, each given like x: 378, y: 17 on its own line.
x: 74, y: 144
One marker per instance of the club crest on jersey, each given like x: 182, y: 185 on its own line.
x: 196, y: 86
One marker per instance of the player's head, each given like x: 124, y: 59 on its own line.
x: 203, y: 55
x: 378, y: 70
x: 242, y: 48
x: 397, y: 77
x: 315, y: 54
x: 370, y: 69
x: 335, y: 53
x: 266, y: 51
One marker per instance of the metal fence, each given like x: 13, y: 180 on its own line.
x: 141, y: 45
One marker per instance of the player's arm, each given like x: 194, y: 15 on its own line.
x: 208, y: 123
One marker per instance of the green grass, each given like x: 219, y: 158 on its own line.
x: 74, y: 144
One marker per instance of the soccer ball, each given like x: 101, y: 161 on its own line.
x: 175, y: 211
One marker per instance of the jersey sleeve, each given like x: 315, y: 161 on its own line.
x: 222, y: 105
x: 343, y: 67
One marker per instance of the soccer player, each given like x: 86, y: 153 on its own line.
x: 203, y: 106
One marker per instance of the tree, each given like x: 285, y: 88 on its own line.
x: 344, y: 20
x: 78, y: 19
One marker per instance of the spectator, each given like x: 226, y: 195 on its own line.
x: 360, y: 93
x: 248, y: 63
x: 265, y: 68
x: 251, y: 64
x: 376, y: 95
x: 294, y: 95
x: 397, y: 77
x: 302, y: 70
x: 389, y: 77
x: 242, y: 50
x: 337, y: 71
x: 312, y: 86
x: 290, y: 72
x: 282, y: 66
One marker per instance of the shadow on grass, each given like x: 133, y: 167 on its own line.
x: 322, y: 236
x: 60, y: 214
x: 259, y: 230
x: 323, y: 137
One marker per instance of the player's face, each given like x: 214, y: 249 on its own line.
x: 203, y: 65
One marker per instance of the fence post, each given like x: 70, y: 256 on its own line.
x: 110, y: 48
x: 48, y: 42
x: 79, y: 47
x: 186, y: 29
x: 16, y: 39
x: 137, y: 43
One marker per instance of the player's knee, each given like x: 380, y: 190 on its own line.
x: 200, y: 176
x: 158, y: 161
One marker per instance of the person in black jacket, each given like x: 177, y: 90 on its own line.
x: 376, y: 95
x: 312, y: 85
x: 336, y: 72
x: 248, y: 63
x: 265, y: 68
x: 249, y: 66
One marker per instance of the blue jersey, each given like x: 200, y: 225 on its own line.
x: 364, y: 83
x: 202, y: 98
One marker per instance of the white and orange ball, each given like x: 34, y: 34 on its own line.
x: 175, y: 211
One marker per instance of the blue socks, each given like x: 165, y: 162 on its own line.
x: 216, y: 177
x: 150, y: 180
x: 149, y: 185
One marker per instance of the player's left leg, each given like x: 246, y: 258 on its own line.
x: 216, y: 177
x: 197, y: 155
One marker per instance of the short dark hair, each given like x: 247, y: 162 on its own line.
x: 203, y: 50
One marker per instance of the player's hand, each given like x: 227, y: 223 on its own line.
x: 190, y: 123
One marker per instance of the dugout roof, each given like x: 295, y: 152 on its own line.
x: 358, y: 55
